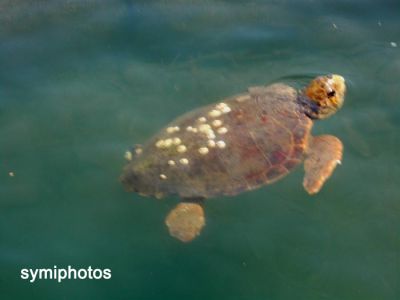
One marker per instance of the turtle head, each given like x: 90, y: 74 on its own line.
x: 326, y: 95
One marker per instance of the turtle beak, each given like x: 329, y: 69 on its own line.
x: 337, y: 85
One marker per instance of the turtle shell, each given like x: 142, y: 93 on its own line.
x: 238, y: 144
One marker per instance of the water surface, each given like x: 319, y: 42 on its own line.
x: 82, y: 81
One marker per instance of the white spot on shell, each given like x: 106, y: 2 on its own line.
x: 204, y: 128
x: 243, y: 98
x: 191, y: 129
x: 222, y: 130
x: 173, y: 129
x: 339, y: 162
x: 160, y: 144
x: 226, y: 109
x: 221, y: 144
x: 171, y: 162
x: 184, y: 161
x: 221, y: 105
x: 203, y: 150
x: 128, y: 155
x: 167, y: 142
x: 181, y: 148
x: 176, y: 141
x: 163, y: 176
x: 210, y: 134
x: 211, y: 143
x: 216, y: 123
x: 214, y: 113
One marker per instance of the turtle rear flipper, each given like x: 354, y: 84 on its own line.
x: 185, y: 221
x: 324, y: 153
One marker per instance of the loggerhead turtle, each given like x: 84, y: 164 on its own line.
x: 239, y: 144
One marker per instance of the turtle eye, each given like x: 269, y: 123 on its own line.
x: 331, y: 94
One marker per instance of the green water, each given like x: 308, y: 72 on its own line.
x: 82, y: 81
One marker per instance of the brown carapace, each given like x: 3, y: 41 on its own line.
x: 238, y: 144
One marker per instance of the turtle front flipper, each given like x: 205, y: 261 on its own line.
x: 185, y: 221
x: 323, y: 154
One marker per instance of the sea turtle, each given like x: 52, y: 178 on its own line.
x: 238, y: 144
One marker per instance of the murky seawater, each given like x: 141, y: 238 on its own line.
x: 82, y: 81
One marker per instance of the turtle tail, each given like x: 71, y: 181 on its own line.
x: 131, y: 180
